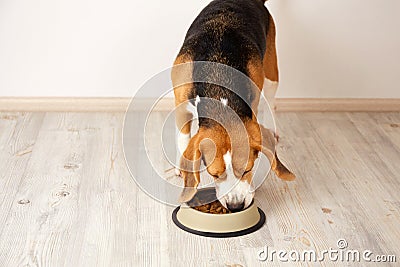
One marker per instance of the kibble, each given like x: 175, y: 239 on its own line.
x: 214, y: 207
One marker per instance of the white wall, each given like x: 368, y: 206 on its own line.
x: 109, y: 48
x: 346, y: 48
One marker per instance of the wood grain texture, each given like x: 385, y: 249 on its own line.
x: 67, y: 198
x: 18, y: 134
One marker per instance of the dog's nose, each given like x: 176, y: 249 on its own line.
x: 234, y: 207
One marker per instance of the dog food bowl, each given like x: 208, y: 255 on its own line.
x: 218, y: 225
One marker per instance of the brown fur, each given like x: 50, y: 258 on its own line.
x: 212, y: 143
x: 181, y: 73
x: 270, y: 61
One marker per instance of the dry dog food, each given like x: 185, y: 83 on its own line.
x: 214, y: 207
x: 206, y: 201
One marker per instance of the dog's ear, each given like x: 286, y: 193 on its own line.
x: 268, y: 143
x: 190, y: 166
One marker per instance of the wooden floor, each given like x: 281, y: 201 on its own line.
x: 67, y: 199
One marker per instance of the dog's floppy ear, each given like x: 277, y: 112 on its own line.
x: 268, y: 143
x: 190, y: 166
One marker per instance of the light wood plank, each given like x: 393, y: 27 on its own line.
x: 18, y: 133
x: 366, y: 211
x: 84, y: 209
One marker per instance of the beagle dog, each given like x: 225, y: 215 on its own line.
x: 241, y: 35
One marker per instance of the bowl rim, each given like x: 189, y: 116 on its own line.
x: 216, y: 234
x: 185, y: 205
x: 209, y: 188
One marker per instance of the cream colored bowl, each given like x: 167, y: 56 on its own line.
x: 218, y: 225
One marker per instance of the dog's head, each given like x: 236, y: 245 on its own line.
x: 229, y: 158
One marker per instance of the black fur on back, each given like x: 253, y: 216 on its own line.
x: 229, y: 32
